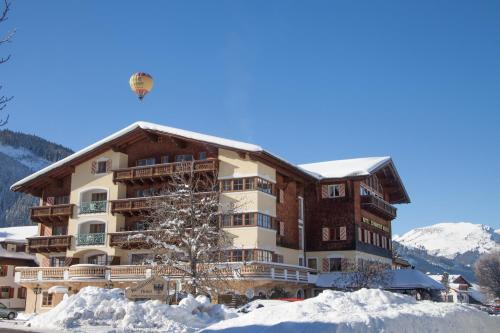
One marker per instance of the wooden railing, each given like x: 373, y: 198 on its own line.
x: 45, y: 244
x: 51, y: 213
x: 159, y: 171
x: 378, y: 206
x: 233, y: 270
x: 126, y: 239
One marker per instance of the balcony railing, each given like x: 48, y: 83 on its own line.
x: 162, y: 171
x: 90, y: 239
x: 46, y: 244
x: 51, y: 213
x: 235, y: 270
x: 93, y: 207
x: 378, y: 206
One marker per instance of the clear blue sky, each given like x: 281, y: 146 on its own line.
x: 308, y: 80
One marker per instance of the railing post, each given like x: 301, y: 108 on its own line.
x: 17, y: 277
x: 107, y: 274
x: 39, y: 275
x: 272, y: 273
x: 148, y: 273
x: 286, y: 274
x: 66, y: 275
x: 297, y: 275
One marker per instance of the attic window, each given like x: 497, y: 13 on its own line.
x: 101, y: 167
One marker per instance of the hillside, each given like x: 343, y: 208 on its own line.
x: 20, y: 155
x: 450, y: 247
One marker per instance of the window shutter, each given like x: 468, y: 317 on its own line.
x: 282, y: 228
x: 343, y: 235
x: 342, y: 190
x: 324, y: 191
x: 326, y: 234
x: 93, y: 167
x: 109, y: 164
x: 50, y: 201
x: 11, y: 292
x: 326, y: 265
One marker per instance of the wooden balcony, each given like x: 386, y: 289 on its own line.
x: 161, y: 172
x: 47, y: 244
x: 131, y: 206
x: 51, y: 213
x: 126, y: 239
x: 378, y: 206
x: 253, y: 270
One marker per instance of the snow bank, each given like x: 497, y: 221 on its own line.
x: 94, y: 306
x: 366, y: 310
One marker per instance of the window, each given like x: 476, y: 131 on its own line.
x: 334, y: 234
x: 46, y: 299
x: 264, y: 221
x: 21, y: 293
x: 226, y: 185
x: 61, y: 200
x: 3, y: 270
x: 238, y: 219
x: 57, y: 261
x: 139, y: 258
x: 97, y: 228
x: 58, y: 230
x: 226, y: 220
x: 264, y: 186
x: 146, y: 161
x: 301, y: 261
x: 98, y: 259
x: 312, y: 263
x: 249, y: 184
x: 238, y: 184
x: 183, y: 158
x: 5, y: 292
x: 335, y: 264
x: 102, y: 167
x: 301, y: 209
x: 164, y: 159
x: 334, y: 191
x: 250, y: 219
x: 202, y: 156
x: 278, y: 258
x: 99, y: 196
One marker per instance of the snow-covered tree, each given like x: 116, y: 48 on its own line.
x: 184, y: 232
x: 445, y: 281
x: 487, y: 270
x: 5, y: 39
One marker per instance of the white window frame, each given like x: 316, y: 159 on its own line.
x: 301, y: 210
x: 336, y: 186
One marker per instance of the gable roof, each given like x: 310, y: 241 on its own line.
x: 313, y: 171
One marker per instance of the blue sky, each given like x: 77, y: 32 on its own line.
x: 308, y: 80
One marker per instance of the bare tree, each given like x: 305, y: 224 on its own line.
x: 184, y: 232
x: 5, y: 39
x: 487, y: 270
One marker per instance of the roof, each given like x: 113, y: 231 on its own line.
x: 451, y: 278
x: 345, y: 168
x: 18, y: 234
x: 315, y: 171
x: 398, y: 279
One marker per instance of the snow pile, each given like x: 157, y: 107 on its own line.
x: 451, y: 239
x: 366, y: 310
x: 94, y: 306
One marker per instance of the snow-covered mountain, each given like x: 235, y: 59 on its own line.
x: 20, y: 155
x: 450, y: 247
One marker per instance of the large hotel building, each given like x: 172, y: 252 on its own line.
x: 295, y: 221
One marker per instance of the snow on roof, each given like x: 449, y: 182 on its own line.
x: 395, y: 280
x: 18, y: 234
x: 145, y: 126
x: 345, y: 168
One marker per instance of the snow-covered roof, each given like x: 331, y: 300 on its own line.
x: 18, y: 234
x: 345, y: 168
x: 451, y: 278
x: 394, y: 280
x: 146, y: 126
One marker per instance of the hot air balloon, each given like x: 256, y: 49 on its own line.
x: 141, y: 84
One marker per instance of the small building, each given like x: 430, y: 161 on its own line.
x: 13, y: 254
x: 400, y: 263
x: 460, y: 289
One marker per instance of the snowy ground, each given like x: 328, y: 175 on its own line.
x: 367, y: 310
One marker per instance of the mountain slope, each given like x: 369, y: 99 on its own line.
x: 447, y: 247
x: 20, y: 155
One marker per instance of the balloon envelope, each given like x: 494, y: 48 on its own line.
x: 141, y: 84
